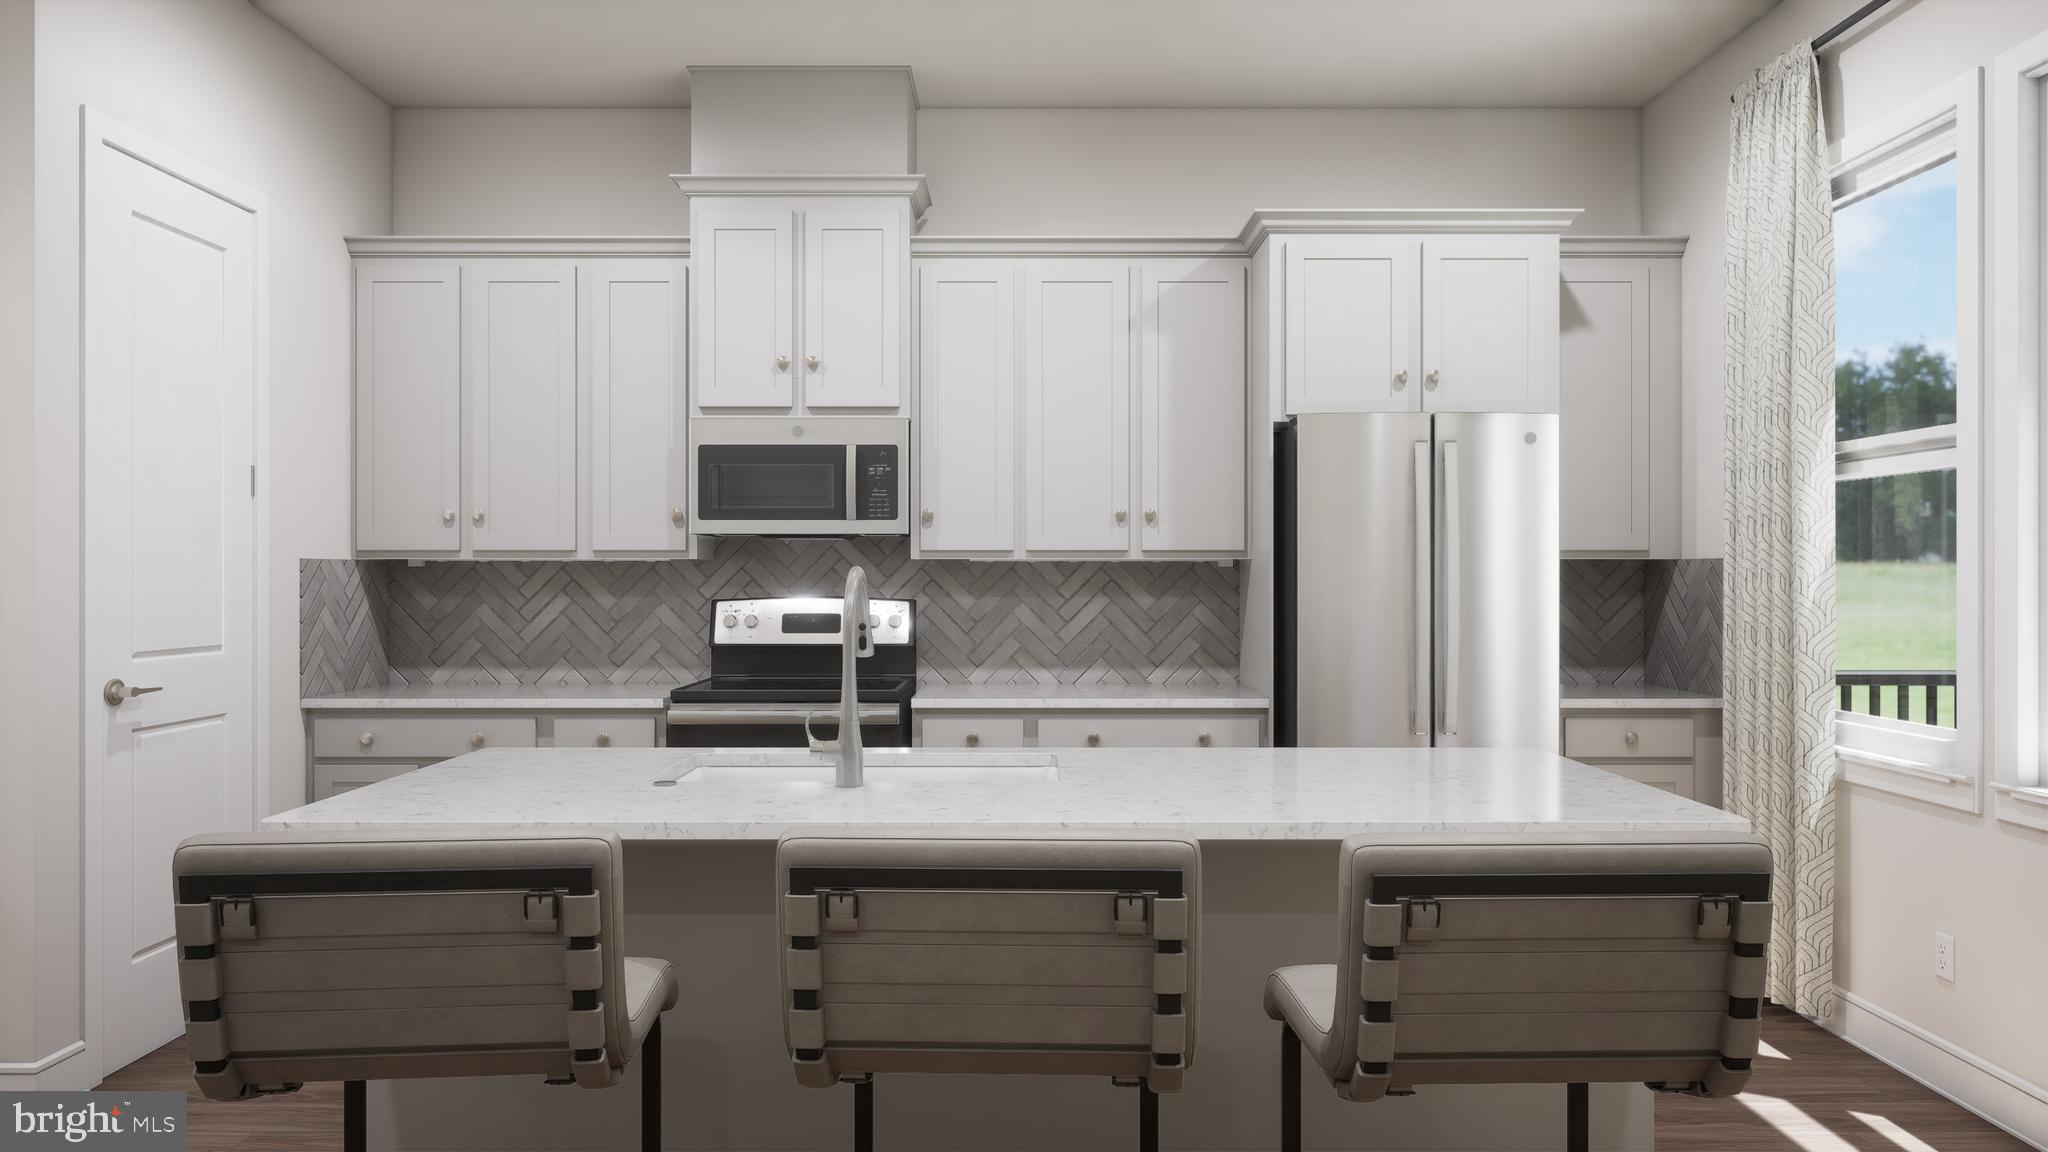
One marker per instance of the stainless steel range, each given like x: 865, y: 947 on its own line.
x: 775, y: 661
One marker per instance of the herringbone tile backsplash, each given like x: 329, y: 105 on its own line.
x: 1634, y: 622
x: 506, y: 622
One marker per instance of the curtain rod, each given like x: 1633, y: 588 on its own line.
x: 1831, y: 35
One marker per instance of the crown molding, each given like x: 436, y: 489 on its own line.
x: 912, y: 187
x: 1272, y: 222
x: 672, y: 247
x: 1074, y: 246
x: 1569, y: 246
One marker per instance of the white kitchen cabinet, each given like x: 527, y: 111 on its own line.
x: 519, y: 392
x: 1191, y: 407
x: 408, y: 407
x: 1140, y: 731
x: 1354, y: 323
x: 971, y: 732
x: 744, y: 307
x: 329, y: 779
x: 606, y: 731
x: 1489, y: 323
x: 1618, y: 388
x: 854, y: 263
x: 967, y: 407
x: 1678, y: 751
x: 639, y: 402
x: 1077, y: 409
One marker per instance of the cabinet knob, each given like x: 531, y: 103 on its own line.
x: 1429, y: 381
x: 365, y: 740
x: 974, y: 739
x: 476, y: 740
x: 448, y: 517
x: 782, y: 361
x: 1151, y: 515
x: 476, y: 517
x: 1400, y: 379
x: 925, y: 517
x: 1094, y: 740
x: 675, y: 515
x: 1628, y: 738
x: 1120, y: 517
x: 811, y: 362
x: 604, y: 739
x: 1204, y: 740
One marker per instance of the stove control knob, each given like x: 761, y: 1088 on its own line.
x: 895, y: 621
x: 874, y: 621
x: 752, y: 620
x: 731, y: 621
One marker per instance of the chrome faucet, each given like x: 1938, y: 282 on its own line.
x: 856, y: 641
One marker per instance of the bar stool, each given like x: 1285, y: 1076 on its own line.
x: 1069, y: 957
x: 307, y: 957
x: 1532, y: 963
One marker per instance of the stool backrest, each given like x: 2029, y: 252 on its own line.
x: 1071, y: 956
x: 309, y: 956
x: 1549, y: 963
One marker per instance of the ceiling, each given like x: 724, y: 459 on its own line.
x: 1030, y: 53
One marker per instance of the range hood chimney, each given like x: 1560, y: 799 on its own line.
x: 789, y: 121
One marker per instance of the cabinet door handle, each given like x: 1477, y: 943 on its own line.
x: 782, y: 361
x: 1628, y: 738
x: 811, y: 362
x: 476, y: 740
x: 476, y: 517
x: 448, y: 516
x: 1094, y: 740
x: 365, y: 740
x: 1400, y: 379
x: 1429, y: 381
x: 1151, y: 515
x: 925, y: 517
x: 604, y: 739
x: 1120, y: 516
x: 1204, y: 740
x: 974, y: 739
x: 675, y: 515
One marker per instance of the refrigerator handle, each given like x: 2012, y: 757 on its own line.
x: 1452, y: 598
x: 1418, y: 684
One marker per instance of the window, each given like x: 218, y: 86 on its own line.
x: 1907, y: 350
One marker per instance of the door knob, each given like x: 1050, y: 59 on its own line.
x: 811, y: 362
x: 782, y: 361
x: 476, y: 517
x: 1429, y: 381
x: 118, y: 691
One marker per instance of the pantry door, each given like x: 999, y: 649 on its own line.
x: 170, y: 367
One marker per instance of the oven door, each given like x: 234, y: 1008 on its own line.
x: 778, y: 725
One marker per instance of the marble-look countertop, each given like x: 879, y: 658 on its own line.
x: 523, y: 697
x: 1211, y: 793
x: 1644, y: 696
x: 1112, y: 697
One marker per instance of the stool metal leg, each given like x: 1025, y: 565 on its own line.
x: 1290, y: 1090
x: 864, y: 1115
x: 650, y: 1090
x: 1148, y: 1118
x: 1577, y: 1107
x: 354, y: 1114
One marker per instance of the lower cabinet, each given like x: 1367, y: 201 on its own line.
x: 1092, y: 729
x: 350, y: 750
x: 1679, y: 752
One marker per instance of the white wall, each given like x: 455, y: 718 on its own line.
x: 1904, y: 870
x: 539, y: 171
x: 1183, y: 172
x: 225, y: 85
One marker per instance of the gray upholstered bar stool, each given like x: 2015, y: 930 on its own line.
x: 1070, y: 956
x: 309, y: 956
x: 1533, y: 963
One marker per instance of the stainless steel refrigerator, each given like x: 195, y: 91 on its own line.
x: 1416, y: 580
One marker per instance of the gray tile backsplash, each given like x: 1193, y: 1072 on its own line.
x: 1635, y: 622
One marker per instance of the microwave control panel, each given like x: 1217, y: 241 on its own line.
x: 875, y: 481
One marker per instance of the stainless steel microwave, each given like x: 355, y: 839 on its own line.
x: 801, y: 476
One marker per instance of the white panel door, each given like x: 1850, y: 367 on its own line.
x: 639, y: 443
x: 1489, y: 330
x: 1604, y: 407
x: 967, y: 407
x: 408, y: 407
x: 170, y: 351
x: 1077, y: 406
x: 519, y: 386
x: 853, y: 308
x: 1191, y: 407
x: 744, y: 331
x: 1353, y: 325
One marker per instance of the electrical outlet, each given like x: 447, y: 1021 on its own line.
x: 1945, y: 956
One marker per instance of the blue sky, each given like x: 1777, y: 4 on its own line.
x: 1895, y: 267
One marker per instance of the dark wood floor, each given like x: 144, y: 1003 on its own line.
x: 1811, y: 1093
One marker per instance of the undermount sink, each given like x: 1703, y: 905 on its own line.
x: 897, y: 767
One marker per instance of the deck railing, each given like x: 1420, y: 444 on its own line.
x: 1936, y: 688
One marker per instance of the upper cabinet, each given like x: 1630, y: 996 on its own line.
x: 1191, y: 407
x: 521, y: 407
x: 1077, y: 406
x: 1619, y: 394
x: 1354, y: 323
x: 967, y: 407
x: 803, y: 293
x: 1489, y: 324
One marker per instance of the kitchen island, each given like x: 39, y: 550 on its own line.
x: 700, y: 853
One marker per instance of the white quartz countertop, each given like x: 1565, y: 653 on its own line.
x: 526, y: 697
x: 1213, y: 793
x: 1112, y: 697
x: 1644, y: 696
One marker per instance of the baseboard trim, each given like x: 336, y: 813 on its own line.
x: 61, y: 1070
x: 2011, y: 1102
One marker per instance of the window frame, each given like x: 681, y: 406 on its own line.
x: 2019, y: 596
x: 1936, y: 765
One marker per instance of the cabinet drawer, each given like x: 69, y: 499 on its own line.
x: 972, y: 732
x: 1650, y: 737
x: 1674, y: 778
x: 604, y: 732
x: 1126, y: 731
x: 334, y: 779
x: 425, y: 737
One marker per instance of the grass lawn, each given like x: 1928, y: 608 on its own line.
x: 1896, y: 615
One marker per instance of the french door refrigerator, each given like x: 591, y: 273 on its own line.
x: 1416, y: 580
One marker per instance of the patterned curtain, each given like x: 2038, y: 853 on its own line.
x: 1779, y: 677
